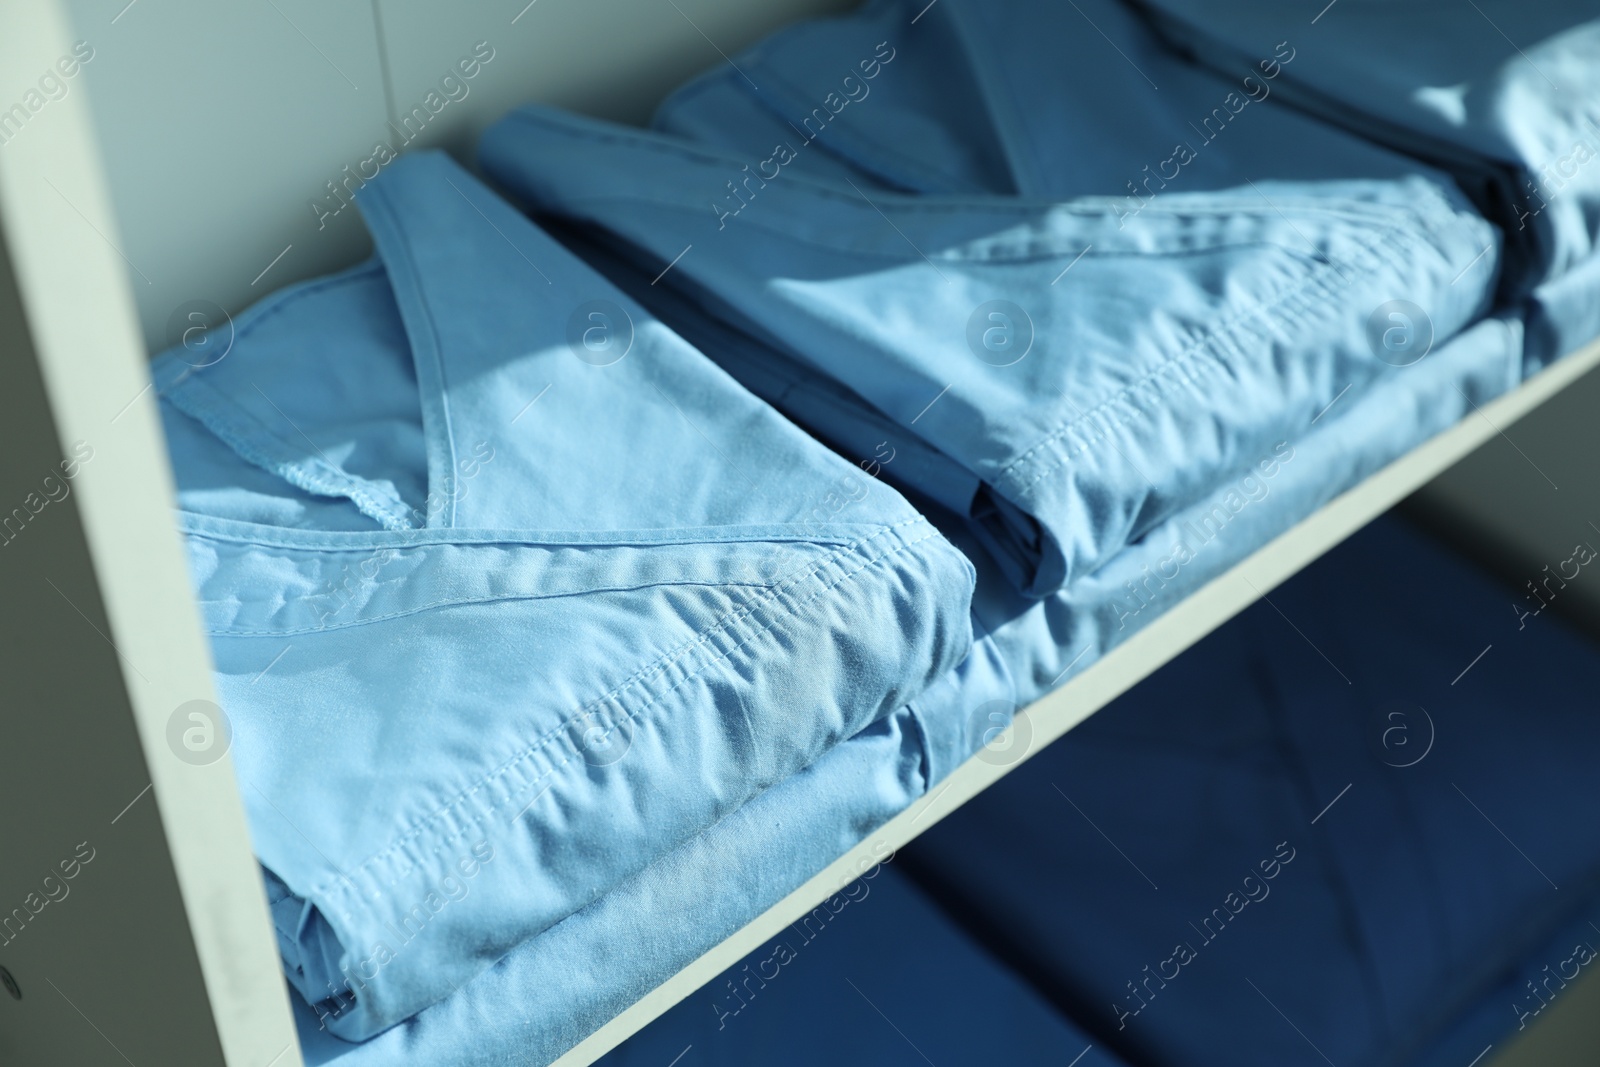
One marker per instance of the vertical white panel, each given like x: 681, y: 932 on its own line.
x: 1527, y: 505
x: 611, y: 58
x: 162, y: 951
x: 219, y: 124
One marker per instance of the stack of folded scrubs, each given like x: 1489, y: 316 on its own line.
x: 595, y: 654
x: 926, y: 236
x: 1069, y: 370
x: 512, y: 592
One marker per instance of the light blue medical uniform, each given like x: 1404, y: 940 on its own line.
x: 512, y: 592
x: 814, y: 301
x: 1073, y: 364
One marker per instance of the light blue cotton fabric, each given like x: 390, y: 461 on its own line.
x: 1505, y: 95
x: 1034, y: 640
x: 1073, y: 369
x: 511, y: 591
x: 385, y: 559
x: 1046, y: 643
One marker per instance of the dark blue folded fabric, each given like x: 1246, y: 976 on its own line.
x: 876, y: 974
x: 1332, y: 829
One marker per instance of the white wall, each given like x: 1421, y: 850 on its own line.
x: 1524, y: 501
x: 222, y: 122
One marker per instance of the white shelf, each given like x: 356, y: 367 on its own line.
x: 191, y: 883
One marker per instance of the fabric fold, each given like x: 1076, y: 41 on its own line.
x: 1089, y: 372
x: 1505, y: 97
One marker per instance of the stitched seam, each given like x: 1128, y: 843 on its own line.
x: 1324, y: 282
x: 1069, y: 246
x: 470, y: 825
x: 435, y: 353
x: 483, y: 599
x: 425, y: 536
x: 281, y: 300
x: 1367, y: 213
x: 1201, y: 345
x: 460, y: 801
x: 729, y: 623
x: 1093, y: 207
x: 1181, y: 366
x: 634, y: 716
x: 1058, y: 452
x: 839, y: 546
x: 232, y: 426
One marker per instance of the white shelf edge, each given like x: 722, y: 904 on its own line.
x: 77, y: 296
x: 1119, y: 670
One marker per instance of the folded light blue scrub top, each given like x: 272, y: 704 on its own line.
x: 1085, y: 363
x: 511, y: 592
x: 659, y: 920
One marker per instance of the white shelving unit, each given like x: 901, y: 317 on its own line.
x: 213, y: 133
